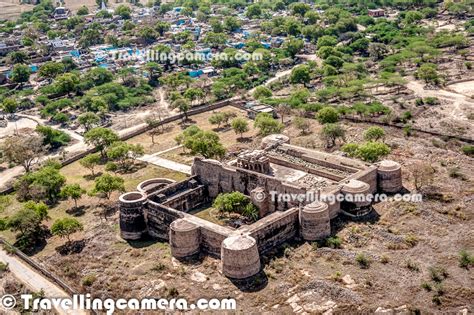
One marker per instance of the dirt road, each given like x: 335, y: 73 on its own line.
x: 35, y: 280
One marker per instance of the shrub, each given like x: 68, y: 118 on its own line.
x: 327, y: 115
x: 363, y: 261
x: 411, y: 240
x: 468, y: 150
x: 426, y: 286
x: 412, y: 266
x: 438, y: 274
x: 466, y: 259
x: 88, y: 280
x: 374, y: 133
x: 455, y: 172
x: 372, y: 151
x: 236, y: 202
x: 334, y: 242
x: 3, y: 266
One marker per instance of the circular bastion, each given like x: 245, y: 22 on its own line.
x: 132, y: 216
x: 185, y: 238
x: 239, y: 257
x: 356, y: 192
x: 151, y: 185
x: 314, y: 221
x: 389, y: 176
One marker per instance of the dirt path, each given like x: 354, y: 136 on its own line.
x: 172, y: 165
x: 458, y: 102
x: 35, y: 281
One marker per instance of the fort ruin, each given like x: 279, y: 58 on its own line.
x: 161, y: 207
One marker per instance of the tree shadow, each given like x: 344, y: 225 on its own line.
x: 71, y: 247
x: 77, y: 211
x: 244, y: 140
x: 92, y: 177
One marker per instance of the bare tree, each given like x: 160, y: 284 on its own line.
x: 423, y: 174
x: 23, y: 150
x: 283, y: 110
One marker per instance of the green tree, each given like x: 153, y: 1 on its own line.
x: 51, y: 69
x: 293, y: 46
x: 331, y: 132
x: 28, y: 221
x: 374, y: 133
x: 52, y: 137
x: 20, y: 74
x: 428, y: 73
x: 43, y: 184
x: 66, y: 83
x: 10, y: 105
x: 88, y: 120
x: 216, y: 119
x: 372, y: 151
x: 183, y: 106
x: 236, y: 202
x: 123, y: 11
x: 267, y: 124
x: 73, y: 191
x: 90, y: 162
x: 101, y: 138
x: 83, y: 10
x: 262, y: 92
x: 64, y: 228
x: 302, y: 124
x: 106, y: 184
x: 300, y: 74
x: 240, y: 126
x: 124, y: 153
x: 327, y: 115
x: 205, y: 143
x: 253, y: 11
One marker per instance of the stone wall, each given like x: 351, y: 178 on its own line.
x: 220, y: 178
x: 159, y: 219
x: 274, y: 229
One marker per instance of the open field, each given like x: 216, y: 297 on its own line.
x: 10, y: 9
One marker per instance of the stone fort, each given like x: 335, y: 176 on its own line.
x: 160, y: 207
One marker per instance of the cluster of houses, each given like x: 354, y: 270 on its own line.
x: 106, y: 55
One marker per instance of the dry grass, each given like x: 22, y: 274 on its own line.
x: 166, y: 140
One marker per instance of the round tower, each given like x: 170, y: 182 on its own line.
x: 314, y: 221
x: 239, y: 256
x: 185, y: 238
x: 389, y: 176
x: 132, y: 215
x: 357, y: 193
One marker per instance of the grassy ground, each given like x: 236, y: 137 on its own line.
x: 166, y: 140
x: 88, y: 206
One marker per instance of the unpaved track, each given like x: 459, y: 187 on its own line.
x: 35, y: 281
x: 457, y: 101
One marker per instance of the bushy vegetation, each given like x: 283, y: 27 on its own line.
x: 236, y: 202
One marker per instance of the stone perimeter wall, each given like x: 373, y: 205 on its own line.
x: 190, y: 234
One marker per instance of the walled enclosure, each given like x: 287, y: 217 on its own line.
x: 160, y: 207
